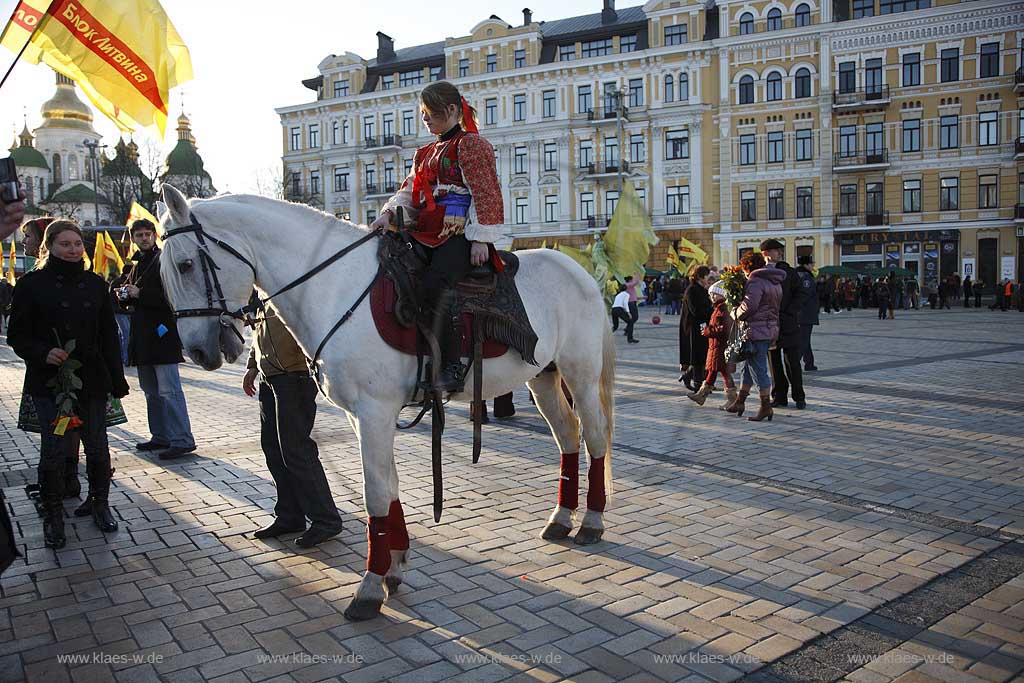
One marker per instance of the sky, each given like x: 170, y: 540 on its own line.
x: 250, y: 57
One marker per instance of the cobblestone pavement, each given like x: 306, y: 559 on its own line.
x: 873, y: 537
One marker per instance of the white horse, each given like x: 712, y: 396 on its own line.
x: 370, y: 380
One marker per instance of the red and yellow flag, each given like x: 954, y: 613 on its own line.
x: 99, y: 257
x: 10, y: 264
x: 112, y: 255
x: 124, y: 54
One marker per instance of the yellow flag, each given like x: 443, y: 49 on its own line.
x: 630, y: 236
x: 99, y: 257
x: 10, y: 264
x: 124, y: 54
x: 113, y: 256
x: 673, y: 259
x: 688, y: 249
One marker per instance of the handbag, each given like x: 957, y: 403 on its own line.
x: 739, y: 347
x: 28, y: 420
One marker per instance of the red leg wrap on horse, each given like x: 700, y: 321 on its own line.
x: 595, y: 485
x: 569, y: 481
x: 378, y: 557
x: 398, y: 535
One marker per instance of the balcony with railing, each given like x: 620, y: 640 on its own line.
x: 376, y: 142
x: 606, y: 169
x: 867, y: 219
x: 860, y: 161
x: 1018, y: 80
x: 861, y: 98
x: 602, y: 115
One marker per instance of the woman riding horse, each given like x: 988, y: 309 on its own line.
x: 453, y: 200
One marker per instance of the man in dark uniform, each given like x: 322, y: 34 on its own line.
x: 785, y: 356
x: 809, y: 312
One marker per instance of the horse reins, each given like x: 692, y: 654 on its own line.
x: 214, y: 292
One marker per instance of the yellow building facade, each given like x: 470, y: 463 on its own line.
x: 862, y: 132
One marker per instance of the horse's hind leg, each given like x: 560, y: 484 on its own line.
x: 586, y: 392
x: 547, y: 392
x: 398, y: 541
x: 375, y: 428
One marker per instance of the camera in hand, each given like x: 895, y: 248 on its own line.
x: 8, y: 180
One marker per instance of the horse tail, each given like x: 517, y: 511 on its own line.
x: 607, y: 396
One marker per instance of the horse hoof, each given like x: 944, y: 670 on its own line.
x: 555, y: 532
x: 362, y: 609
x: 392, y: 583
x: 588, y: 536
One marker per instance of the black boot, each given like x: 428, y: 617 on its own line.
x: 72, y: 485
x: 452, y: 376
x: 99, y: 491
x: 53, y: 509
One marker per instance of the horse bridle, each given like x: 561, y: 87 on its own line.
x: 214, y: 292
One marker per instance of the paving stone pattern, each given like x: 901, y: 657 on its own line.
x: 734, y: 549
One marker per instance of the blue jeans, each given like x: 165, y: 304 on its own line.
x: 165, y: 405
x: 756, y: 369
x: 124, y: 327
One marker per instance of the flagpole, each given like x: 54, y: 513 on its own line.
x: 39, y: 25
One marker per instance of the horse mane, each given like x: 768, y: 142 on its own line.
x: 308, y: 213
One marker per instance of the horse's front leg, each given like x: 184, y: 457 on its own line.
x: 375, y: 429
x: 553, y: 405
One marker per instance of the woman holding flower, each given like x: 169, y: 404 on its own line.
x: 62, y: 325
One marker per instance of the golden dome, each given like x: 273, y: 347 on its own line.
x: 64, y: 109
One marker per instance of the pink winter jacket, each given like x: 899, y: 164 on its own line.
x: 760, y: 306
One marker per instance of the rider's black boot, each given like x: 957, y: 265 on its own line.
x: 452, y: 374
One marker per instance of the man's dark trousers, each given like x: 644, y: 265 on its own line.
x: 806, y: 352
x: 287, y: 413
x: 786, y: 371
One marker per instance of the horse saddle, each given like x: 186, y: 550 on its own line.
x: 485, y: 300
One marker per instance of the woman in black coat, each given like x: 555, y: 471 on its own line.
x: 696, y: 312
x: 53, y: 306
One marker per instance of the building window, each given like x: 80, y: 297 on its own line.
x: 596, y: 48
x: 584, y: 99
x: 803, y: 15
x: 803, y: 83
x: 296, y: 139
x: 519, y: 59
x: 387, y: 125
x: 847, y: 77
x: 747, y: 90
x: 314, y: 183
x: 873, y: 78
x: 627, y: 43
x: 989, y: 64
x: 340, y: 180
x: 408, y: 123
x: 522, y: 206
x: 550, y: 208
x: 636, y: 148
x: 341, y: 87
x: 519, y: 160
x: 344, y: 132
x: 410, y: 77
x: 636, y: 92
x: 586, y: 204
x: 675, y: 35
x: 776, y: 205
x: 774, y: 19
x: 519, y: 107
x: 804, y: 202
x: 911, y: 196
x: 950, y: 69
x: 848, y: 141
x: 895, y: 6
x: 988, y: 130
x: 875, y: 203
x: 677, y: 200
x: 586, y: 153
x: 387, y: 82
x: 611, y: 200
x: 567, y: 53
x: 949, y: 194
x: 748, y: 156
x: 463, y: 68
x: 335, y: 133
x: 912, y: 69
x: 863, y: 8
x: 492, y: 63
x: 611, y: 152
x: 641, y: 194
x: 296, y: 184
x: 677, y: 144
x: 684, y: 87
x: 748, y: 205
x: 774, y: 91
x: 369, y: 128
x: 949, y: 132
x: 491, y: 111
x: 550, y: 156
x: 371, y: 216
x: 389, y: 177
x: 670, y: 83
x: 406, y: 167
x: 987, y: 192
x: 847, y: 200
x: 803, y: 145
x: 874, y: 141
x: 435, y: 73
x: 912, y: 135
x: 775, y: 151
x: 548, y: 100
x: 371, y: 178
x: 746, y: 24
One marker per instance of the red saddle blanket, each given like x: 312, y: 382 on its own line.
x: 405, y: 339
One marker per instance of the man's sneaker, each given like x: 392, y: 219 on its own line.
x: 176, y: 452
x: 151, y: 446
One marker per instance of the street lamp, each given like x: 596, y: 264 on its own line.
x: 94, y: 170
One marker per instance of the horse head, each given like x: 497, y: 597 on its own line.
x: 203, y: 279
